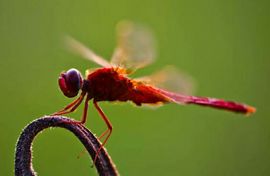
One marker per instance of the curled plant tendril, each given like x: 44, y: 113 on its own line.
x: 23, y: 156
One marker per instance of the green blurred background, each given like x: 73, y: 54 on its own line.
x: 223, y: 44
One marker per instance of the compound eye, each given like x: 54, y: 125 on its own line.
x: 70, y: 82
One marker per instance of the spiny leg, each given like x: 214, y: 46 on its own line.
x: 71, y: 109
x: 85, y: 109
x: 72, y: 106
x: 84, y: 116
x: 109, y: 130
x: 103, y: 134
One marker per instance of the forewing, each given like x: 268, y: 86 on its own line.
x: 80, y: 49
x: 170, y: 79
x: 135, y: 46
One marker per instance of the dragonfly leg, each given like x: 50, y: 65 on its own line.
x: 85, y: 109
x: 103, y: 134
x: 109, y: 126
x: 72, y: 106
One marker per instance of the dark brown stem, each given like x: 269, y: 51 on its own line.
x: 23, y: 158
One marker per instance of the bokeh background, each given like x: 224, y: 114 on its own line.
x: 223, y: 44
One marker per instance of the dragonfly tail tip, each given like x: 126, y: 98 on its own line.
x: 250, y: 110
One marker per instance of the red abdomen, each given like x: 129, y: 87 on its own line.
x: 146, y: 94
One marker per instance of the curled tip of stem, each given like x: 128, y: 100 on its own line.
x: 23, y: 158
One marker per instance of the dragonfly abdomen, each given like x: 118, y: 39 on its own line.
x: 144, y: 94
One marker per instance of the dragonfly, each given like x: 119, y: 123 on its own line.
x: 135, y: 49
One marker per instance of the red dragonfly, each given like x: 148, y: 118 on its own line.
x: 111, y: 82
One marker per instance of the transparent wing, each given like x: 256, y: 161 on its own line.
x: 80, y: 49
x: 170, y: 79
x: 135, y: 46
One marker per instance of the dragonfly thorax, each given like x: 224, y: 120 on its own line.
x: 107, y: 84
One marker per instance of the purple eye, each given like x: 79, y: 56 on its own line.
x: 70, y: 82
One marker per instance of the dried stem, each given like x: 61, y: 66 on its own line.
x: 23, y: 160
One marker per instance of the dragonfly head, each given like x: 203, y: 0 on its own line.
x: 70, y: 82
